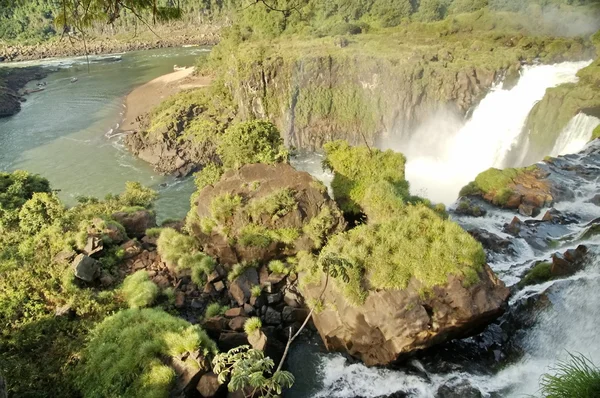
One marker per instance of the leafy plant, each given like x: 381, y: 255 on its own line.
x: 255, y: 141
x: 256, y: 291
x: 246, y: 368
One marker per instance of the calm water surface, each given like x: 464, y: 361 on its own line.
x: 67, y: 133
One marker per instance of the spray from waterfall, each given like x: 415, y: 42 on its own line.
x: 446, y: 153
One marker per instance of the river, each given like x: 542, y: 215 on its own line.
x: 66, y: 132
x: 69, y: 134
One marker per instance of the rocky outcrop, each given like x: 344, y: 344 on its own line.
x: 136, y: 222
x: 316, y: 99
x: 169, y: 155
x: 262, y: 212
x: 11, y: 81
x: 394, y: 323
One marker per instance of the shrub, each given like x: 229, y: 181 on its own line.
x: 357, y: 168
x: 318, y: 227
x: 129, y: 348
x: 153, y: 232
x: 416, y: 244
x: 275, y: 205
x: 577, y: 377
x: 255, y: 141
x: 139, y: 291
x: 172, y: 245
x: 43, y: 209
x: 254, y: 235
x: 215, y: 309
x: 137, y: 195
x: 200, y: 264
x: 252, y: 325
x: 256, y: 291
x: 278, y: 267
x: 209, y: 175
x: 223, y: 207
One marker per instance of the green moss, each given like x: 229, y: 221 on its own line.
x: 139, y: 291
x: 417, y: 244
x: 130, y: 346
x: 358, y: 168
x: 540, y: 273
x: 596, y: 133
x: 496, y: 182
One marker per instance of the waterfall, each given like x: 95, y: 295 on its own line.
x: 446, y: 153
x: 575, y: 135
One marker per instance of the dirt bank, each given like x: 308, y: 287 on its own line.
x: 144, y: 98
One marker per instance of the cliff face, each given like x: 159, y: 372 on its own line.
x: 11, y: 81
x: 316, y: 99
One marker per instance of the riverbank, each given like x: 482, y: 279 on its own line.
x: 11, y: 81
x: 163, y: 37
x: 144, y: 98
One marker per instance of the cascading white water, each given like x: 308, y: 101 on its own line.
x: 575, y: 135
x: 445, y: 153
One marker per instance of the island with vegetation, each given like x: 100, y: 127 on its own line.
x: 97, y: 299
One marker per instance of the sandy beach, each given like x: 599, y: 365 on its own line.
x: 143, y: 98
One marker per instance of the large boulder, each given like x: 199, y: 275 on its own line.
x: 85, y: 268
x: 393, y: 323
x: 261, y: 212
x: 136, y: 222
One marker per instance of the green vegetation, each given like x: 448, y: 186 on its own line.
x: 139, y: 291
x: 209, y: 175
x: 243, y: 367
x: 497, y: 183
x: 596, y: 133
x: 358, y: 168
x: 319, y: 226
x: 416, y: 244
x: 577, y: 377
x: 275, y: 205
x: 256, y: 291
x: 215, y: 309
x: 540, y: 273
x: 255, y: 141
x: 125, y: 354
x: 35, y: 345
x: 252, y: 325
x: 278, y: 267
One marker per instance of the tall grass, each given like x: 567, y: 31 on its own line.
x: 576, y: 377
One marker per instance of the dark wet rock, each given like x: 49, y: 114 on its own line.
x: 229, y: 340
x: 469, y: 207
x: 272, y: 316
x: 492, y: 241
x: 85, y: 268
x: 291, y: 314
x: 595, y: 200
x: 569, y: 262
x: 458, y: 389
x: 137, y: 222
x: 528, y: 210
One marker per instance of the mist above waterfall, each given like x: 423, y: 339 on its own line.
x: 447, y: 152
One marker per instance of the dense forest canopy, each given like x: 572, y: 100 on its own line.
x: 39, y: 19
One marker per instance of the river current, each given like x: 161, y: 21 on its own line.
x: 69, y: 133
